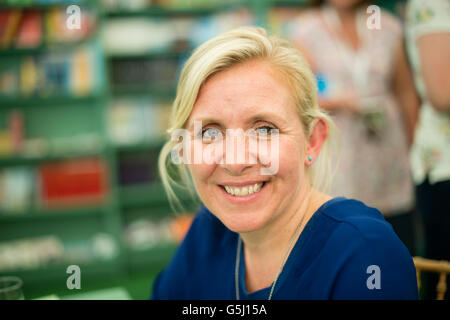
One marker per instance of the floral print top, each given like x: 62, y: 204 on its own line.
x: 430, y: 154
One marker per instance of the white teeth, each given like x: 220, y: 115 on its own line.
x: 244, y: 191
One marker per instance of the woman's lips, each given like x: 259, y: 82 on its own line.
x: 243, y: 193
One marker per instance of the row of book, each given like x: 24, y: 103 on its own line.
x: 138, y: 167
x: 137, y: 120
x: 171, y: 4
x: 40, y: 252
x: 21, y: 3
x: 147, y: 233
x: 78, y: 73
x: 44, y: 251
x: 141, y: 35
x: 15, y: 143
x: 31, y: 28
x: 12, y: 135
x: 54, y: 185
x: 145, y: 73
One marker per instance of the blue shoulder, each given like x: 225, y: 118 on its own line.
x: 364, y: 243
x: 367, y: 221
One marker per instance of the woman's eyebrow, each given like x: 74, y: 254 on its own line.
x: 206, y: 120
x: 264, y: 116
x: 267, y: 116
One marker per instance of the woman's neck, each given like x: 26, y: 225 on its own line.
x: 348, y: 24
x: 265, y: 249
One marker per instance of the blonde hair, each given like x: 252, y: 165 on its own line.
x: 222, y: 52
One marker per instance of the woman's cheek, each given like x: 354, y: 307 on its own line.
x: 201, y: 172
x: 290, y: 159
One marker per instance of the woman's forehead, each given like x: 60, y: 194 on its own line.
x: 244, y: 91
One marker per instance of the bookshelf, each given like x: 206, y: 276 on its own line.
x: 74, y: 122
x: 59, y: 91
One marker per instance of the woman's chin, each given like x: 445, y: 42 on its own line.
x: 243, y: 223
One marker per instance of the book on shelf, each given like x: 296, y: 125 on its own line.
x: 137, y: 120
x: 30, y: 28
x: 147, y: 233
x: 29, y: 33
x: 17, y: 190
x: 12, y: 136
x: 137, y: 168
x: 47, y: 250
x: 30, y: 253
x: 77, y: 73
x: 9, y: 23
x: 72, y: 183
x: 56, y: 30
x: 9, y: 77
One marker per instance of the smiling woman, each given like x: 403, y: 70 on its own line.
x: 268, y: 233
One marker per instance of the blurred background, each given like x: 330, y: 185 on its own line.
x: 82, y: 118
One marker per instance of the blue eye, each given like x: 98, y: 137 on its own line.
x: 210, y: 132
x: 264, y: 130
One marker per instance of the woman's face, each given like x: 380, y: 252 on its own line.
x: 250, y: 95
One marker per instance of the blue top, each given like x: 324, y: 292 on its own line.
x: 346, y: 251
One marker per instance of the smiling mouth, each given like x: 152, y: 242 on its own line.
x: 243, y: 191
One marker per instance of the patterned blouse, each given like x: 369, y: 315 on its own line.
x: 373, y: 161
x: 430, y: 154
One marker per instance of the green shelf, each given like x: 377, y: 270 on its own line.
x: 54, y: 100
x: 56, y: 274
x: 44, y: 215
x: 21, y: 160
x: 152, y: 195
x: 149, y: 55
x: 142, y: 195
x: 162, y: 12
x: 155, y: 258
x: 45, y: 48
x: 34, y: 5
x: 166, y: 92
x: 141, y: 146
x: 289, y: 3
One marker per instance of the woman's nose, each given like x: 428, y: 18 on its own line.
x: 236, y: 169
x: 239, y: 159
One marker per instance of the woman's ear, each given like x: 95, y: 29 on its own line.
x: 319, y: 134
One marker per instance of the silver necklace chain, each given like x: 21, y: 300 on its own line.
x: 238, y: 259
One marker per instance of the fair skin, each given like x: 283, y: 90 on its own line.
x: 434, y: 50
x: 252, y: 95
x: 402, y: 80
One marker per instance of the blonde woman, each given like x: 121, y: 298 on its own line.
x: 266, y: 231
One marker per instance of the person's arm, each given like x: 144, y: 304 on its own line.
x: 405, y: 91
x: 434, y: 51
x: 347, y: 102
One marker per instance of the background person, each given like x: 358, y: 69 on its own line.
x: 428, y: 40
x: 365, y: 83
